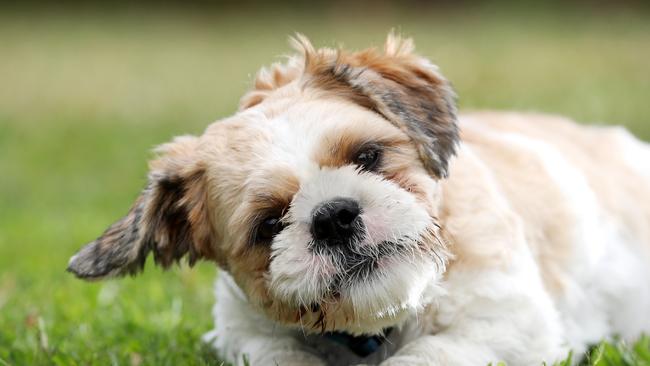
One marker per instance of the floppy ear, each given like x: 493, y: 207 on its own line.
x: 403, y: 87
x: 169, y: 218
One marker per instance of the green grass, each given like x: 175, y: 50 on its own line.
x: 85, y: 95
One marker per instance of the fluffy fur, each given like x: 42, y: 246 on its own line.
x: 482, y: 238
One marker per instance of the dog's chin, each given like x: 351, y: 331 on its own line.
x: 397, y: 289
x: 394, y: 288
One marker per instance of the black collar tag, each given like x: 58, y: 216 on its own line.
x: 363, y: 345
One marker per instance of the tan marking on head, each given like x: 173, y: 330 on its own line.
x: 403, y: 87
x: 271, y: 78
x: 340, y: 146
x: 268, y: 194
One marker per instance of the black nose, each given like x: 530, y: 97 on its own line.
x: 335, y: 219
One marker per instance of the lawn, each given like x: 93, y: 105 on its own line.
x: 85, y: 95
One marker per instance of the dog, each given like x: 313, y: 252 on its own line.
x: 357, y: 218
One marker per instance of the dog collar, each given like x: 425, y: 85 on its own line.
x: 362, y: 345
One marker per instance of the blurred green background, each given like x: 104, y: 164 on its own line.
x: 87, y: 90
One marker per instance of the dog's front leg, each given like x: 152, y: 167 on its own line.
x: 242, y: 349
x: 244, y: 336
x: 488, y: 317
x: 452, y: 348
x: 441, y: 350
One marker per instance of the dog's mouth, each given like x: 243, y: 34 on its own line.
x: 360, y: 263
x: 363, y: 287
x: 372, y: 283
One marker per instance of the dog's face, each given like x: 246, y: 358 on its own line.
x: 319, y: 197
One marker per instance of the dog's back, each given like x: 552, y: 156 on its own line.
x: 583, y: 197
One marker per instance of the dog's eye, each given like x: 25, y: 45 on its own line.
x: 368, y: 159
x: 269, y: 228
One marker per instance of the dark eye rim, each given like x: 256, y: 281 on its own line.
x: 373, y: 165
x: 257, y: 237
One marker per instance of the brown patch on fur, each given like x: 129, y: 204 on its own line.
x: 341, y: 146
x: 270, y: 194
x: 112, y: 252
x: 169, y: 218
x: 402, y: 87
x: 270, y: 78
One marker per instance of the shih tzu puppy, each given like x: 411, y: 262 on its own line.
x: 358, y: 219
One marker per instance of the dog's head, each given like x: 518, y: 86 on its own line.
x: 319, y: 196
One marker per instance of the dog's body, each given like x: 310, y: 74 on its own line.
x: 333, y: 204
x: 552, y: 254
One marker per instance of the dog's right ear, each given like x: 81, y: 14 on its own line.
x: 403, y: 87
x: 169, y: 218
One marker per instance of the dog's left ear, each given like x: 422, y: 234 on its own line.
x: 169, y: 218
x: 403, y: 87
